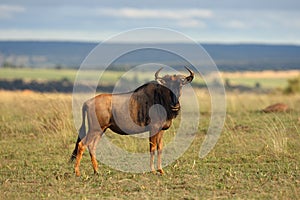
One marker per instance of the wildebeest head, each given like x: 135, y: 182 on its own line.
x: 174, y: 83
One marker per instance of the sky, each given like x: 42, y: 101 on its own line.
x: 218, y: 21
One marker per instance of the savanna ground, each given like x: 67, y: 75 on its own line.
x: 256, y: 157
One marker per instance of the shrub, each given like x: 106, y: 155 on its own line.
x: 293, y: 86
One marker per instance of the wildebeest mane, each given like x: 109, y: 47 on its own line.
x: 148, y: 95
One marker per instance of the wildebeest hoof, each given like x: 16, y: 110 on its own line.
x: 96, y: 173
x: 161, y: 171
x: 77, y: 173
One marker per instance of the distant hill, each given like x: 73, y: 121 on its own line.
x: 229, y: 57
x: 44, y: 54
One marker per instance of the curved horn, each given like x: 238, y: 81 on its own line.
x: 189, y: 78
x: 156, y: 73
x: 191, y: 72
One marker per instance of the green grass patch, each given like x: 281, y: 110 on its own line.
x: 266, y: 83
x: 37, y: 74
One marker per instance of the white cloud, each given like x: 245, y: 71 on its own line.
x: 65, y: 35
x: 175, y: 14
x: 98, y: 23
x: 191, y: 23
x: 261, y: 20
x: 185, y: 18
x: 8, y: 11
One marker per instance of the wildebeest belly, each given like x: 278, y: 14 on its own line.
x: 122, y: 123
x: 127, y: 130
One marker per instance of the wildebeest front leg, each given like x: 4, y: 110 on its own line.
x: 159, y: 151
x: 153, y: 144
x: 156, y: 144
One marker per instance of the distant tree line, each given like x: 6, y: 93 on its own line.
x: 66, y: 86
x: 62, y: 86
x: 11, y: 65
x: 50, y: 86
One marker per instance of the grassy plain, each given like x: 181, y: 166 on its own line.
x: 256, y: 157
x: 29, y: 74
x: 266, y: 79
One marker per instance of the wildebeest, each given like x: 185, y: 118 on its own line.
x: 151, y: 107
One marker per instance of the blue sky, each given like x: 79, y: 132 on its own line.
x: 219, y: 21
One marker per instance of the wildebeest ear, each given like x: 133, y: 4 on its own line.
x: 161, y: 81
x: 188, y: 80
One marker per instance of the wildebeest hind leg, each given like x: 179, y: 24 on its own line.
x: 92, y: 149
x: 86, y: 141
x: 80, y: 151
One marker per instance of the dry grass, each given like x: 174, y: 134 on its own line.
x: 261, y: 74
x: 256, y: 157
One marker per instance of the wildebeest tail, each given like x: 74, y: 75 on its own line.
x: 82, y: 133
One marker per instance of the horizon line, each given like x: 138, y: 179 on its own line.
x: 154, y: 42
